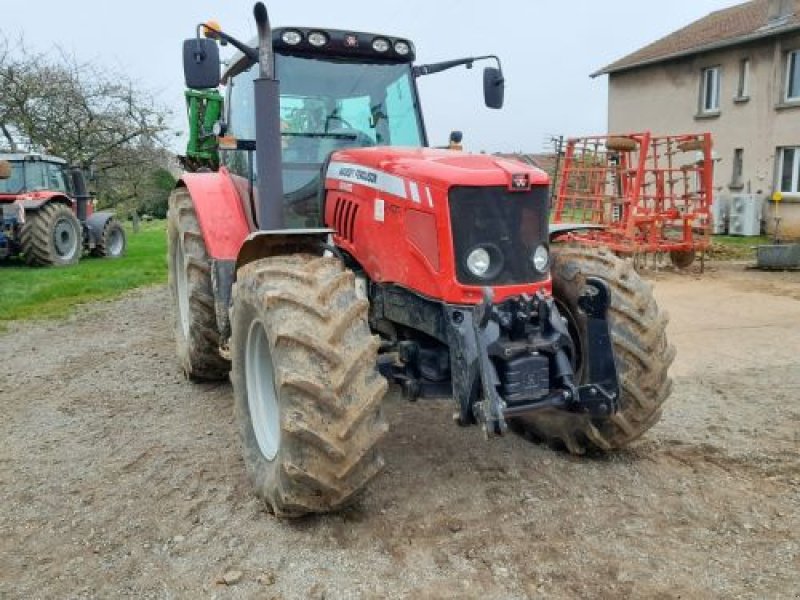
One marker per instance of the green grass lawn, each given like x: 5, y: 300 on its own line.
x: 38, y: 293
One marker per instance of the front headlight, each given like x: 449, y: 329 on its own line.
x: 540, y: 258
x: 485, y: 261
x: 479, y: 262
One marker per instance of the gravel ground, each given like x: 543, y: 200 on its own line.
x: 120, y: 479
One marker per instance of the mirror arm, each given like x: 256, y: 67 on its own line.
x: 248, y: 51
x: 433, y: 68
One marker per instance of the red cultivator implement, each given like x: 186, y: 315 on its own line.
x: 645, y: 194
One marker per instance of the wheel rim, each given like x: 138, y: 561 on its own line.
x: 65, y: 239
x: 182, y: 284
x: 262, y: 399
x: 115, y: 242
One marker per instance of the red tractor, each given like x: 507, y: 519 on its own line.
x: 48, y: 216
x: 333, y: 251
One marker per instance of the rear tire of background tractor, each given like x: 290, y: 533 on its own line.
x: 112, y: 242
x: 306, y: 388
x: 194, y: 316
x: 51, y: 236
x: 642, y: 354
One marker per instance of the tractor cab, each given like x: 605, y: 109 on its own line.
x: 338, y: 90
x: 30, y: 173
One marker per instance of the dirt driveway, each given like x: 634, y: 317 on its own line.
x: 119, y: 479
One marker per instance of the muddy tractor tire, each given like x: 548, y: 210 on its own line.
x: 194, y: 316
x: 51, y: 236
x: 306, y: 388
x: 112, y: 242
x: 642, y: 353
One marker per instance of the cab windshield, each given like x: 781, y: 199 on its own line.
x: 33, y: 176
x: 16, y: 183
x: 327, y: 104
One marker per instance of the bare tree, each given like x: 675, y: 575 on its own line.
x: 91, y: 116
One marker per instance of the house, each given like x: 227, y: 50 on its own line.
x: 736, y: 74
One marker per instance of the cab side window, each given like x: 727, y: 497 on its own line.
x: 241, y: 119
x: 56, y: 178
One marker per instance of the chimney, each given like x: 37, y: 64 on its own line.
x: 779, y: 11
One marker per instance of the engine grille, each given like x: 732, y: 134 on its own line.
x: 513, y: 224
x: 344, y: 218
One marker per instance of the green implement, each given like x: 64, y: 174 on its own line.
x: 204, y: 108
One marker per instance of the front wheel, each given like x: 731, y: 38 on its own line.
x: 641, y: 352
x: 194, y: 316
x: 306, y: 389
x: 112, y: 242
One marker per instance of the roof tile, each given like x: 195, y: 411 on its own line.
x: 718, y: 28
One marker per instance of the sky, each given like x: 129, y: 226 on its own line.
x: 548, y: 50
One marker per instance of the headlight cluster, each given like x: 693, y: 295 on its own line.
x: 486, y: 260
x: 292, y: 37
x: 320, y: 39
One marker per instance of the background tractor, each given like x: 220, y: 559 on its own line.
x: 334, y: 250
x: 48, y: 216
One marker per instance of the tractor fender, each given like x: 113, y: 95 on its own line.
x: 37, y: 200
x: 96, y: 223
x: 557, y: 229
x: 263, y: 244
x: 220, y: 213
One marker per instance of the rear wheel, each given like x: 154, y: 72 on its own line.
x: 194, y: 316
x: 641, y: 352
x: 306, y: 389
x: 112, y: 242
x: 52, y: 235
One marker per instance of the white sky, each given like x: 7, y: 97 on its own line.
x: 548, y: 50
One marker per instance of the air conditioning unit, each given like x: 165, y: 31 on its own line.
x: 744, y: 215
x: 720, y: 213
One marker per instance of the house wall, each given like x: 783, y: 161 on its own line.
x: 665, y: 99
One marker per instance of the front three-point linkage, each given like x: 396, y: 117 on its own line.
x: 534, y: 327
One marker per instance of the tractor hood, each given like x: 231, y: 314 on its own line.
x: 390, y: 168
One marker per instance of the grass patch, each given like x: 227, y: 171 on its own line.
x: 735, y: 247
x: 41, y: 293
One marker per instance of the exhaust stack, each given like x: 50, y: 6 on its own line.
x: 269, y: 208
x: 82, y: 196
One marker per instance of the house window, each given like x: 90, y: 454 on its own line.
x: 793, y: 75
x: 709, y: 94
x: 738, y: 168
x: 743, y: 89
x: 789, y: 170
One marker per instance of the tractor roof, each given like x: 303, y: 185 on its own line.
x: 31, y: 156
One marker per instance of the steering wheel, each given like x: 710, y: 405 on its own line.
x: 330, y: 118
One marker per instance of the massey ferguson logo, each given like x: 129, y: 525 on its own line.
x: 520, y: 181
x: 358, y: 174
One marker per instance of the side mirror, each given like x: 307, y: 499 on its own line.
x: 201, y: 64
x: 493, y: 87
x: 5, y: 169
